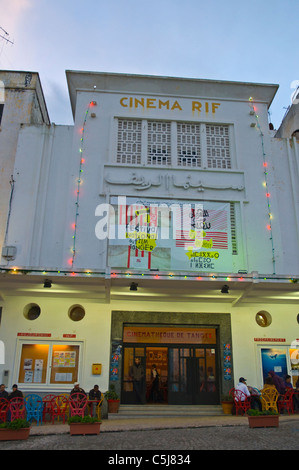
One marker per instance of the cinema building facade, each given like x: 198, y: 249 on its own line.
x: 163, y: 224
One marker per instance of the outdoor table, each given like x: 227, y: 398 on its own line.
x: 92, y: 406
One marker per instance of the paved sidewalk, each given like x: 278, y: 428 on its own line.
x: 138, y: 424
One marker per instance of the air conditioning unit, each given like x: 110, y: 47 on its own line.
x: 9, y: 252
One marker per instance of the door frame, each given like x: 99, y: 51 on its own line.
x: 186, y: 390
x: 179, y: 396
x: 219, y: 320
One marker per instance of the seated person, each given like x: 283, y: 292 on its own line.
x: 3, y: 392
x: 255, y: 402
x: 16, y: 393
x: 268, y: 384
x: 278, y: 382
x: 289, y: 386
x: 288, y: 383
x: 243, y: 388
x: 95, y: 393
x: 77, y: 389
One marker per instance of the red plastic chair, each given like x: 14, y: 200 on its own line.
x: 59, y: 407
x: 241, y: 401
x: 4, y: 406
x: 17, y: 408
x: 47, y: 410
x: 286, y: 402
x: 77, y: 403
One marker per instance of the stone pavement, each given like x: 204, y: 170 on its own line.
x: 115, y: 424
x: 153, y: 438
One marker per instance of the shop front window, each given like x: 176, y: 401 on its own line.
x: 33, y: 363
x: 49, y: 363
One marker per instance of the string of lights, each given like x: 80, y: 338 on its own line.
x: 244, y: 277
x: 79, y: 181
x: 265, y: 182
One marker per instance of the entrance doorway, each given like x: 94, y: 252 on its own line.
x: 187, y: 374
x: 192, y: 376
x: 149, y: 356
x: 156, y: 363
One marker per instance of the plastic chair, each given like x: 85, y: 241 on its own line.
x: 98, y: 408
x: 59, y: 407
x: 269, y: 397
x: 47, y: 410
x: 77, y: 403
x: 17, y: 408
x: 4, y: 406
x: 34, y: 407
x: 67, y: 396
x: 241, y: 401
x: 286, y: 402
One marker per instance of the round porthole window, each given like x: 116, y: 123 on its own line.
x: 76, y: 313
x: 31, y: 311
x: 263, y: 318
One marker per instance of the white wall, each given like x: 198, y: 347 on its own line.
x: 47, y: 170
x: 93, y: 331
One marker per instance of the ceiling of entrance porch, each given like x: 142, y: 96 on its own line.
x: 108, y: 290
x: 206, y: 291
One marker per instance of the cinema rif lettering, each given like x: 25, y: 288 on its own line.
x: 172, y: 105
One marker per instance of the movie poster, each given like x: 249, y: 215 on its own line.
x: 274, y: 359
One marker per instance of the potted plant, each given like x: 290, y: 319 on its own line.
x: 227, y: 404
x: 14, y: 430
x: 84, y: 425
x: 112, y: 399
x: 263, y: 419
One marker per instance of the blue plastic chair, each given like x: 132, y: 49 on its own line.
x: 34, y: 408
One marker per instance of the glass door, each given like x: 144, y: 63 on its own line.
x: 128, y: 394
x: 192, y: 376
x: 156, y: 374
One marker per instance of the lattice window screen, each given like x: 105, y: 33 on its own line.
x: 218, y: 148
x: 159, y: 143
x: 129, y: 141
x: 188, y: 144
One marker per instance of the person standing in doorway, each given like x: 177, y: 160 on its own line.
x: 137, y: 375
x: 154, y: 394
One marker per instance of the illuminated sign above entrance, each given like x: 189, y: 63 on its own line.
x: 169, y: 335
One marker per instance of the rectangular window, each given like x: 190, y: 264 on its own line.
x: 218, y: 147
x: 49, y: 363
x: 188, y: 145
x: 64, y: 364
x: 33, y: 363
x: 159, y: 143
x: 182, y: 144
x: 129, y: 142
